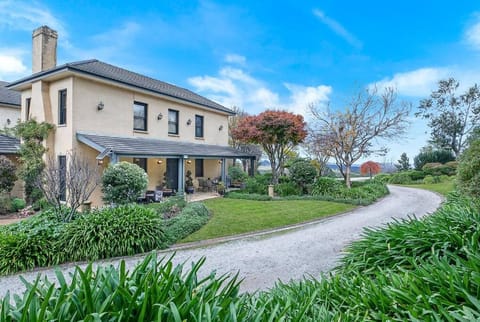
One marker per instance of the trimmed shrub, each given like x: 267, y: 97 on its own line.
x: 415, y: 175
x: 468, y: 177
x: 302, y: 173
x: 123, y: 183
x: 169, y: 208
x: 110, y: 232
x: 191, y: 219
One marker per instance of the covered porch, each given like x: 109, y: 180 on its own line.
x: 168, y: 162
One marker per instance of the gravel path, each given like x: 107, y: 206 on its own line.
x: 292, y: 254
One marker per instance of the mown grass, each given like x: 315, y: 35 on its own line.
x: 443, y: 188
x: 236, y: 216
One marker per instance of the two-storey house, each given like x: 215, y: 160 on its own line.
x: 108, y: 114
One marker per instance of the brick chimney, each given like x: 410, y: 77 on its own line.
x: 44, y: 49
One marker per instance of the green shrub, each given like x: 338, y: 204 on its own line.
x: 400, y: 178
x: 439, y: 156
x: 288, y: 189
x: 415, y: 175
x: 191, y: 219
x: 5, y: 203
x: 326, y: 186
x: 109, y: 232
x: 123, y: 183
x: 258, y: 184
x: 170, y: 207
x: 431, y: 179
x: 30, y: 243
x: 17, y: 204
x: 382, y: 177
x: 302, y: 173
x: 468, y: 177
x: 236, y: 174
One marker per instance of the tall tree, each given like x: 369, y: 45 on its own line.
x: 370, y: 168
x: 253, y: 149
x: 451, y: 117
x: 403, y: 163
x: 351, y: 134
x: 276, y: 131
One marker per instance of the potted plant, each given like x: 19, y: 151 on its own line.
x: 189, y: 182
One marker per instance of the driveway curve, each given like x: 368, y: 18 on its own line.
x: 285, y: 255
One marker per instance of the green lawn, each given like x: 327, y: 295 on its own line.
x: 236, y: 216
x: 443, y: 188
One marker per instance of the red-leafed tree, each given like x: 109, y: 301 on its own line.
x: 370, y: 168
x: 276, y: 131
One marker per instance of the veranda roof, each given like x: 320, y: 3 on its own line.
x: 144, y: 147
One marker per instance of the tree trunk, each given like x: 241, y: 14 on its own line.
x: 274, y: 172
x: 348, y: 180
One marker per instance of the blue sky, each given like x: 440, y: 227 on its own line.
x: 263, y: 54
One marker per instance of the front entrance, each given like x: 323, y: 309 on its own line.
x: 172, y: 174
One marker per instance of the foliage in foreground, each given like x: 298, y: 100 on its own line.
x: 46, y: 240
x: 411, y: 270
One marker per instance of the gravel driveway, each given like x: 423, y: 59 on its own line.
x: 292, y: 254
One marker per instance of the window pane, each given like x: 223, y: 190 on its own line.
x: 139, y: 116
x: 172, y: 122
x: 62, y: 107
x: 198, y: 126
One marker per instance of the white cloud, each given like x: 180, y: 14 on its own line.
x: 234, y: 87
x: 472, y: 35
x: 415, y: 83
x: 18, y: 15
x: 337, y: 28
x: 235, y: 59
x: 11, y: 63
x: 302, y: 96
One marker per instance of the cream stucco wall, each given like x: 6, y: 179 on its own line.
x: 116, y: 118
x: 9, y: 113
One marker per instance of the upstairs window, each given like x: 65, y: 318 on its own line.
x: 198, y: 126
x: 172, y: 122
x: 62, y: 107
x: 28, y: 101
x: 139, y: 116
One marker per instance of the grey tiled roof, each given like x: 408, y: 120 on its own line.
x: 106, y: 71
x: 8, y: 96
x: 9, y: 145
x: 153, y: 147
